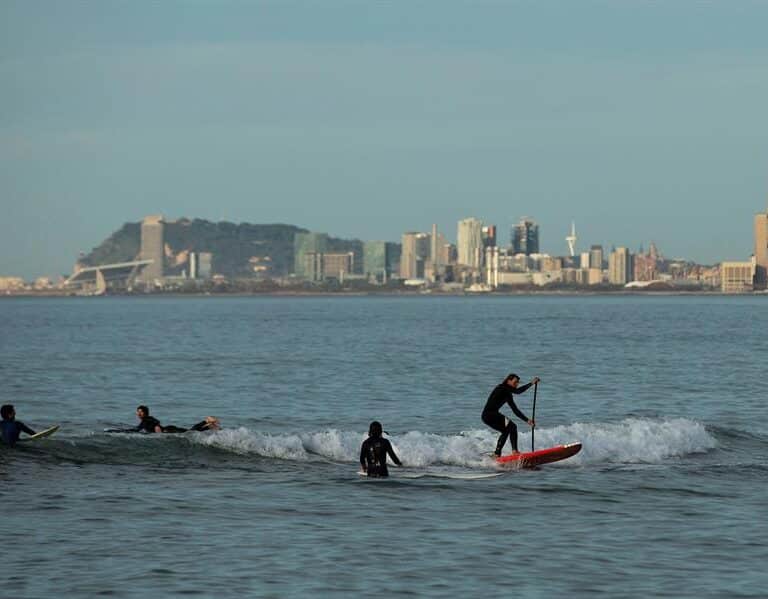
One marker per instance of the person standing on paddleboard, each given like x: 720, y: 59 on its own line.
x: 491, y: 416
x: 10, y: 428
x: 374, y: 451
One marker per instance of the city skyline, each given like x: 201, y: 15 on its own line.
x: 640, y: 122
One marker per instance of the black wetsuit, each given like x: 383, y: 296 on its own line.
x: 373, y: 456
x: 500, y: 395
x: 148, y: 424
x: 11, y: 429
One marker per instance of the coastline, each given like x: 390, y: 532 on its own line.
x: 391, y: 293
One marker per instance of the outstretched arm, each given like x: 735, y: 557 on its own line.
x: 26, y: 429
x: 392, y: 454
x: 362, y: 458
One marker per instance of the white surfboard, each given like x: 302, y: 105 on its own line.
x: 42, y: 434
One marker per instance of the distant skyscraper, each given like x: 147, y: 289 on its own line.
x: 193, y: 265
x: 153, y: 247
x: 470, y: 242
x: 489, y: 236
x: 620, y: 266
x: 525, y: 237
x: 305, y: 243
x: 205, y: 265
x: 761, y: 251
x: 596, y: 256
x: 415, y: 253
x: 434, y: 254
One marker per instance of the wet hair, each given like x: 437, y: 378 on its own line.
x: 511, y: 376
x: 375, y: 429
x: 7, y: 411
x: 144, y: 409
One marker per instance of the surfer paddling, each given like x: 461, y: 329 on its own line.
x: 491, y: 416
x: 150, y: 424
x: 374, y: 451
x: 10, y: 428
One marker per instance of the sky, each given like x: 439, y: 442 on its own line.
x: 640, y: 121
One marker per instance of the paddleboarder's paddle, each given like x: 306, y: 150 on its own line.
x: 533, y: 418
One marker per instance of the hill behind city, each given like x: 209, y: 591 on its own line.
x: 238, y: 250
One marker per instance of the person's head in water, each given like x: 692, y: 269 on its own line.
x: 512, y: 380
x: 8, y: 412
x: 375, y: 429
x: 142, y: 412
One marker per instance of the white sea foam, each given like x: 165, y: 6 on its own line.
x: 629, y: 441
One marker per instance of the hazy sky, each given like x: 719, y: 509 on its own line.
x: 640, y: 121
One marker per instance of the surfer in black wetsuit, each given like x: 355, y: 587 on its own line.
x: 374, y: 450
x: 491, y: 416
x: 10, y: 428
x: 150, y: 424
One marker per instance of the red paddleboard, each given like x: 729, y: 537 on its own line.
x: 532, y: 459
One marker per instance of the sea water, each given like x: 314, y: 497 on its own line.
x: 666, y: 499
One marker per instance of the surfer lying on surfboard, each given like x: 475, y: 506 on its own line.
x: 10, y: 428
x: 374, y: 451
x: 491, y: 416
x: 150, y: 424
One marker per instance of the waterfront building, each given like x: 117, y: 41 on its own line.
x: 571, y: 276
x: 584, y: 260
x: 319, y: 266
x: 596, y: 256
x: 415, y: 253
x: 488, y: 235
x: 620, y: 266
x: 12, y: 283
x: 153, y: 247
x: 549, y: 263
x: 379, y: 260
x: 594, y: 276
x: 204, y: 265
x: 737, y: 277
x: 525, y: 237
x: 470, y: 242
x: 761, y: 251
x: 440, y: 256
x: 305, y: 243
x: 492, y: 266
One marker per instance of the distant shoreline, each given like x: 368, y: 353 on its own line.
x: 410, y: 294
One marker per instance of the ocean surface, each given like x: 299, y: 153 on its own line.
x: 668, y: 498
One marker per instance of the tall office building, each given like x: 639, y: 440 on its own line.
x: 596, y: 256
x: 379, y: 260
x: 489, y: 236
x: 470, y: 242
x: 434, y: 255
x: 525, y: 237
x: 205, y: 265
x: 306, y: 243
x: 415, y: 253
x: 153, y: 247
x: 193, y: 265
x: 620, y: 266
x: 761, y: 251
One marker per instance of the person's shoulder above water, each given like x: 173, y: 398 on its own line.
x: 10, y: 428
